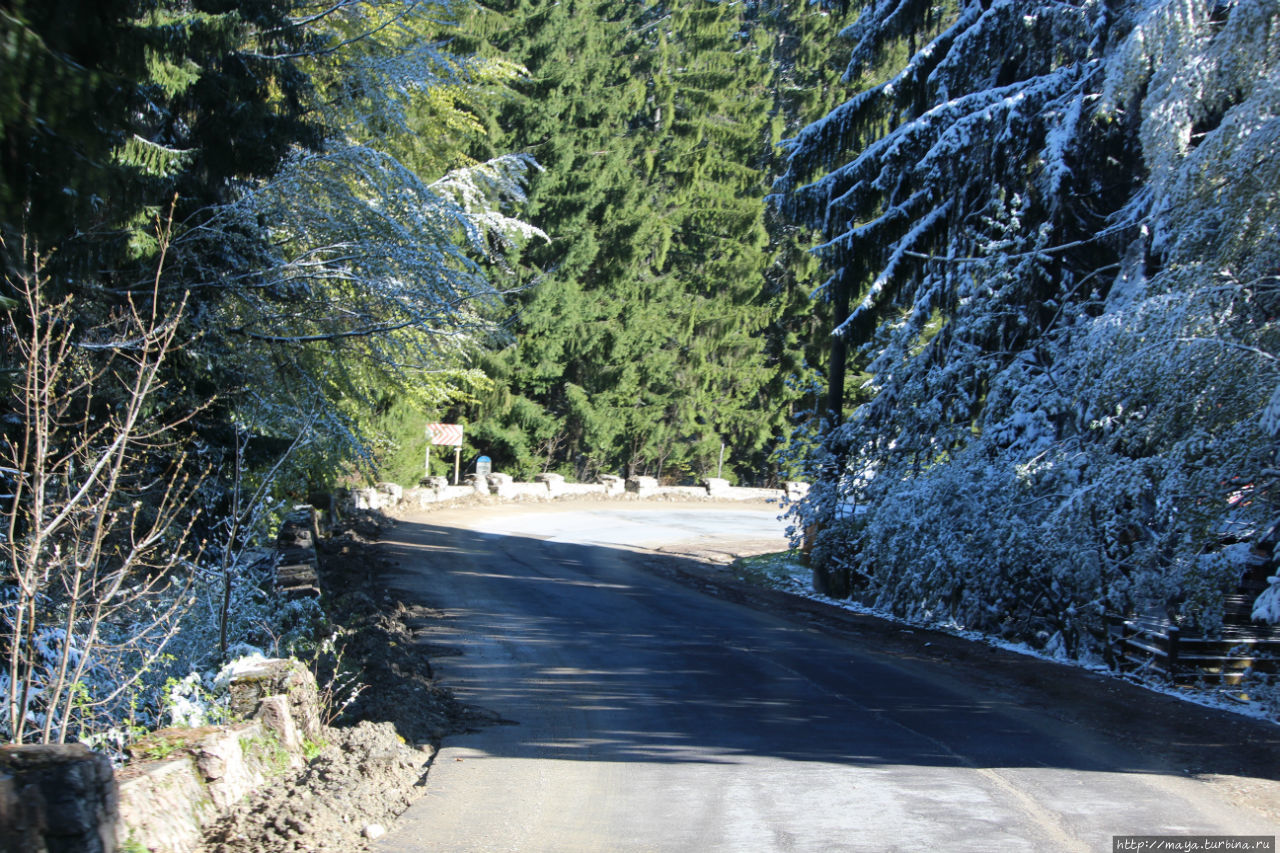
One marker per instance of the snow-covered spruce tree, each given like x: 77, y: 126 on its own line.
x: 1059, y: 223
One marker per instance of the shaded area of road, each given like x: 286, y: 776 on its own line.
x: 644, y: 715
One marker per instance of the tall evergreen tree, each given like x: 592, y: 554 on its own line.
x: 710, y: 147
x: 807, y: 83
x: 1069, y: 348
x: 643, y: 349
x: 110, y: 109
x: 572, y: 114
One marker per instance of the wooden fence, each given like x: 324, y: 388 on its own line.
x: 1227, y: 657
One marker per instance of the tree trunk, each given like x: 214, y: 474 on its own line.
x: 839, y: 347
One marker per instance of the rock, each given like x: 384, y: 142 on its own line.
x: 275, y: 716
x: 367, y: 499
x: 374, y: 831
x: 166, y: 804
x: 228, y: 774
x: 393, y: 491
x: 276, y: 677
x: 553, y: 482
x: 13, y: 834
x: 613, y: 484
x: 500, y: 484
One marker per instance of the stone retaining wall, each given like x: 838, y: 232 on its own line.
x: 297, y: 571
x: 437, y: 490
x: 64, y: 798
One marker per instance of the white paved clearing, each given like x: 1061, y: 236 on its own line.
x: 643, y: 528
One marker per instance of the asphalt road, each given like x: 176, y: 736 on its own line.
x: 644, y: 715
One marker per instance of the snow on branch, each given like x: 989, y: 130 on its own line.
x: 1066, y: 234
x: 871, y: 301
x: 362, y: 247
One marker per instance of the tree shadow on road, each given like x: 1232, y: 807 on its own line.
x: 605, y: 654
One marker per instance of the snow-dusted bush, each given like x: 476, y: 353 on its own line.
x: 96, y: 516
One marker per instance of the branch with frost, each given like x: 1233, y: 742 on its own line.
x: 871, y: 301
x: 364, y: 248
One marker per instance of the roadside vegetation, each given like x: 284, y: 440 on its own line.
x: 227, y: 242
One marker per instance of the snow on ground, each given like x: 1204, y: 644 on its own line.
x: 788, y: 575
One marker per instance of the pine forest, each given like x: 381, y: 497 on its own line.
x: 999, y: 279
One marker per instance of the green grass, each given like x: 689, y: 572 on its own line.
x: 312, y: 748
x: 777, y: 570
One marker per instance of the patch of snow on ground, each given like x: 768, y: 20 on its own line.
x: 797, y: 580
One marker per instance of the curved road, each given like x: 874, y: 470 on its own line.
x: 643, y: 715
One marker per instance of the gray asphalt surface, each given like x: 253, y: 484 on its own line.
x: 643, y: 715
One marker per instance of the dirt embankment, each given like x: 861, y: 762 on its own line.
x: 375, y: 756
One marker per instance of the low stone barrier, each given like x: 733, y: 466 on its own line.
x: 743, y: 493
x: 581, y: 489
x: 478, y: 484
x: 691, y: 493
x: 437, y: 490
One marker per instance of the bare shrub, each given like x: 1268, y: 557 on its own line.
x: 97, y: 516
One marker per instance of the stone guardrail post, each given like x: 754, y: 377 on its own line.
x: 500, y: 484
x: 436, y: 483
x: 716, y: 486
x: 394, y: 493
x: 553, y: 482
x: 479, y: 483
x: 795, y: 490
